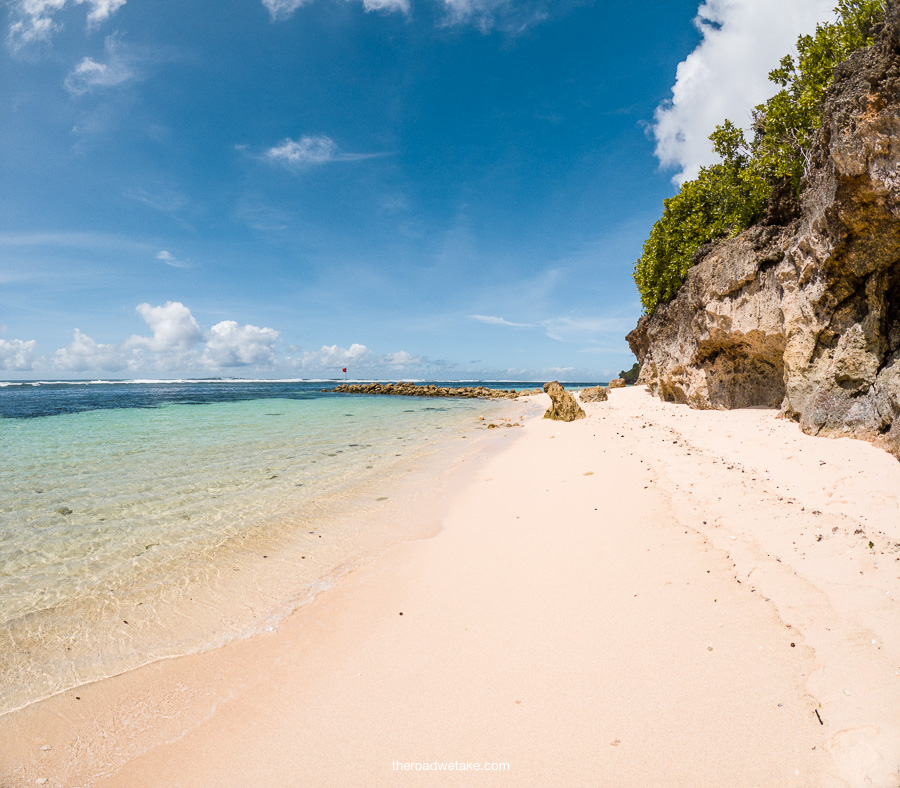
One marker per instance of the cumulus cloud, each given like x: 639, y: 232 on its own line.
x: 17, y: 354
x: 310, y: 151
x: 401, y: 359
x: 175, y: 331
x: 177, y: 343
x: 726, y: 76
x: 83, y: 354
x: 34, y: 19
x: 331, y: 356
x: 231, y: 345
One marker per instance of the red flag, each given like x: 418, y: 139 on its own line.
x: 345, y: 369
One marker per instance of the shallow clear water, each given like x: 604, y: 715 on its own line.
x: 135, y: 526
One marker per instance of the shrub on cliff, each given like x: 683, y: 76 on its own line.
x: 630, y: 376
x: 730, y: 196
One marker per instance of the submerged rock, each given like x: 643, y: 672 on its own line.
x: 564, y: 407
x: 407, y: 389
x: 804, y: 315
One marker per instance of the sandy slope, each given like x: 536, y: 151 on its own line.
x: 579, y: 618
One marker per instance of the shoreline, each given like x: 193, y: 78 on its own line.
x: 268, y: 552
x: 574, y: 616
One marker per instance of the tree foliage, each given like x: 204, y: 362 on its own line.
x: 730, y: 196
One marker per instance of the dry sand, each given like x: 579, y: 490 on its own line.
x: 651, y: 596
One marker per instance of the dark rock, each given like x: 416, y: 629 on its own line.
x: 563, y: 407
x: 407, y: 389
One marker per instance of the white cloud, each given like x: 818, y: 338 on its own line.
x: 309, y: 151
x: 506, y: 15
x: 231, y: 345
x: 178, y: 344
x: 35, y: 18
x: 387, y: 5
x: 89, y: 75
x: 169, y: 259
x: 574, y: 329
x: 282, y: 9
x: 401, y: 359
x: 726, y: 76
x: 567, y: 329
x: 175, y: 331
x: 492, y: 320
x: 334, y: 356
x: 17, y: 354
x: 83, y: 354
x: 101, y: 10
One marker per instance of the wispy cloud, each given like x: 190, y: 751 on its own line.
x: 162, y: 199
x: 279, y: 10
x: 169, y: 259
x: 91, y: 75
x: 726, y: 75
x: 401, y: 6
x: 493, y: 320
x: 35, y: 19
x: 566, y: 329
x: 576, y: 329
x: 311, y: 151
x: 282, y: 9
x: 511, y: 16
x: 76, y: 240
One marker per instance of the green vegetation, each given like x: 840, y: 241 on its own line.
x: 630, y: 376
x: 730, y: 196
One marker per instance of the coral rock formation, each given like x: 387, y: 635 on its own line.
x: 563, y: 407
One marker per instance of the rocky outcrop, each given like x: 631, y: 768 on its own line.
x: 563, y: 405
x: 618, y: 383
x: 595, y: 394
x: 407, y: 389
x: 804, y: 313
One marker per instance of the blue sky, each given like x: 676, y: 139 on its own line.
x: 411, y: 188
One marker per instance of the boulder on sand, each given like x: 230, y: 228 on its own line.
x: 564, y: 407
x: 618, y: 383
x: 595, y: 394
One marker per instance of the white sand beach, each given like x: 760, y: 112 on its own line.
x: 648, y: 596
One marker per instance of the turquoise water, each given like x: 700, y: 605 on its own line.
x: 128, y: 534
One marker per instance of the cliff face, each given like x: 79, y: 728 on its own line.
x: 805, y: 316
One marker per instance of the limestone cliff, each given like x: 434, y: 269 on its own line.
x: 804, y: 313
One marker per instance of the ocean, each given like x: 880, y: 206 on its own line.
x: 147, y: 519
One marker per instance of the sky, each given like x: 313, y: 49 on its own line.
x: 439, y: 189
